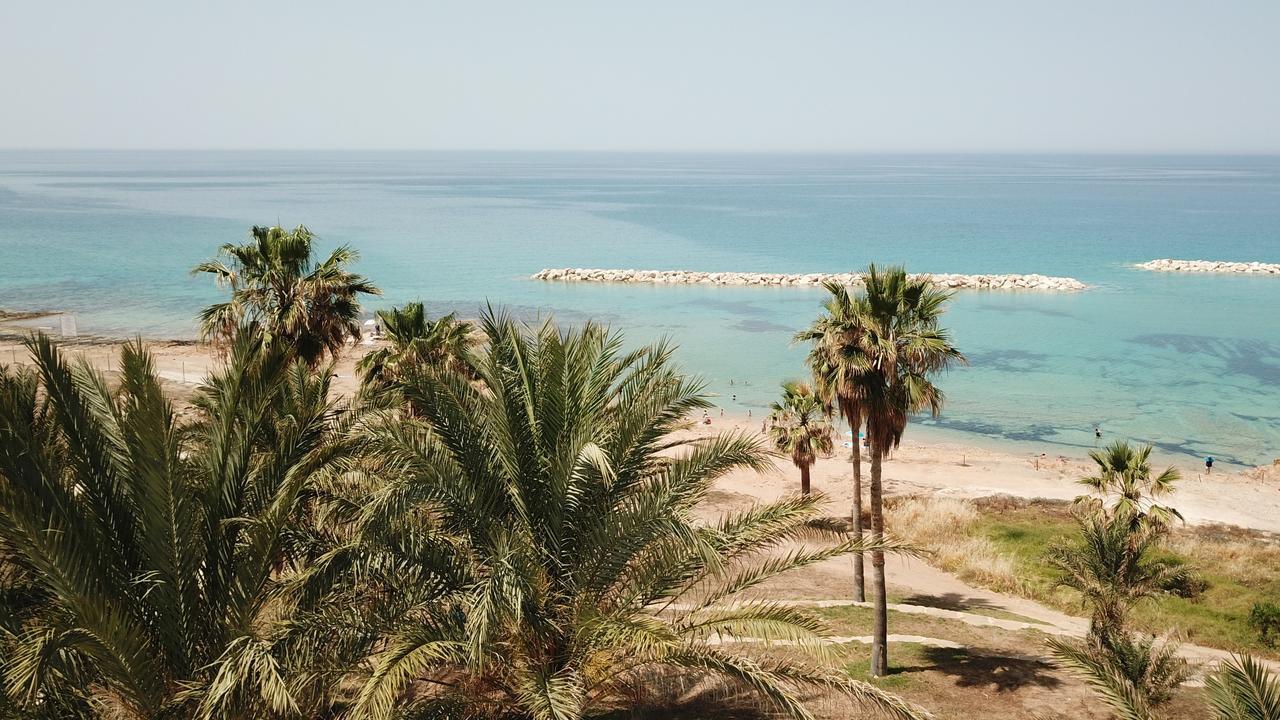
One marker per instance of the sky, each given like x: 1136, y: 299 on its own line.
x: 1200, y: 76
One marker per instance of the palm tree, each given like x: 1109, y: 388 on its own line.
x: 837, y: 365
x: 800, y: 428
x: 1124, y: 487
x: 1112, y: 567
x: 1134, y: 675
x: 150, y: 550
x: 901, y: 347
x: 529, y: 548
x: 278, y: 286
x: 1243, y: 689
x: 416, y: 340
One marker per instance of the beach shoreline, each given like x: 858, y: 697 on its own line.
x: 931, y: 460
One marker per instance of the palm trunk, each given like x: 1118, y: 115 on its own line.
x: 804, y: 479
x: 880, y: 631
x: 859, y: 580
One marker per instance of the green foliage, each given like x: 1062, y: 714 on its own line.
x: 1133, y: 674
x: 417, y: 340
x: 139, y: 556
x: 1264, y: 619
x: 800, y: 429
x: 278, y: 287
x: 1243, y: 689
x: 1111, y: 566
x: 529, y: 548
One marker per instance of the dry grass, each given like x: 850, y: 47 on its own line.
x: 945, y: 527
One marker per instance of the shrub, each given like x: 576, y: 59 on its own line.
x: 1264, y: 619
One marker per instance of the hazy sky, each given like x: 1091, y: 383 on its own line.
x: 851, y: 75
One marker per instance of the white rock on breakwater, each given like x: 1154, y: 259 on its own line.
x: 1042, y: 283
x: 1211, y: 266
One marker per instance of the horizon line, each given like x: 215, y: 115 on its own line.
x: 658, y: 151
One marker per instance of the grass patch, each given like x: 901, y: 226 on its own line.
x: 1005, y: 543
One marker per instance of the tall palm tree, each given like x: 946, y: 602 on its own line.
x: 800, y: 428
x: 278, y: 285
x: 1125, y: 488
x: 417, y: 340
x: 530, y: 550
x: 152, y: 549
x: 902, y: 348
x: 837, y: 364
x: 1243, y: 689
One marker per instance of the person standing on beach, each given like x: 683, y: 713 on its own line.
x: 1208, y: 465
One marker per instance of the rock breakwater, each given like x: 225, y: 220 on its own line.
x: 1042, y: 283
x: 1211, y: 266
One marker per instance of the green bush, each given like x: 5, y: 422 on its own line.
x: 1264, y: 618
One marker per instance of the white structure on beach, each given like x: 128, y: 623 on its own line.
x: 1211, y: 266
x: 1043, y: 283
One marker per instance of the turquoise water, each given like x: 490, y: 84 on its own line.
x: 1190, y: 363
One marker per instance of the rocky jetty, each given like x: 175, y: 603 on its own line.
x: 1042, y: 283
x: 1211, y: 266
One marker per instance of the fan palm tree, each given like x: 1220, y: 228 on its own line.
x: 278, y: 285
x: 529, y: 548
x: 1134, y: 675
x: 1124, y: 487
x: 416, y: 340
x: 1243, y: 689
x: 902, y: 347
x: 1112, y: 567
x: 837, y: 364
x: 800, y: 428
x: 150, y: 549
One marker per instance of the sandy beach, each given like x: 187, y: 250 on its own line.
x: 1248, y: 498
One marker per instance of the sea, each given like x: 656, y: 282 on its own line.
x: 1187, y: 363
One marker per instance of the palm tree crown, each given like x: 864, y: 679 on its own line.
x: 278, y: 286
x: 152, y: 547
x: 800, y: 428
x: 417, y: 340
x: 1125, y: 488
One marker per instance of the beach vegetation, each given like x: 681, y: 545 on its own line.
x: 901, y: 347
x: 836, y: 362
x: 143, y: 555
x: 800, y: 429
x: 279, y: 285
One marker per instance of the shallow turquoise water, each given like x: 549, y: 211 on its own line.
x: 1190, y: 363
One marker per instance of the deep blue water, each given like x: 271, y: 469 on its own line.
x: 1190, y: 363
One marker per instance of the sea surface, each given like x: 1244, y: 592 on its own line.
x: 1190, y: 363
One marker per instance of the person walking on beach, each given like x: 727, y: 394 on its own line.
x: 1208, y: 465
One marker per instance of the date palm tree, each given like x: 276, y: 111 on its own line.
x: 417, y: 340
x: 903, y: 348
x: 1135, y: 675
x: 1243, y: 689
x: 529, y: 547
x: 150, y: 550
x: 278, y: 285
x: 837, y: 364
x: 800, y: 428
x: 1113, y: 567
